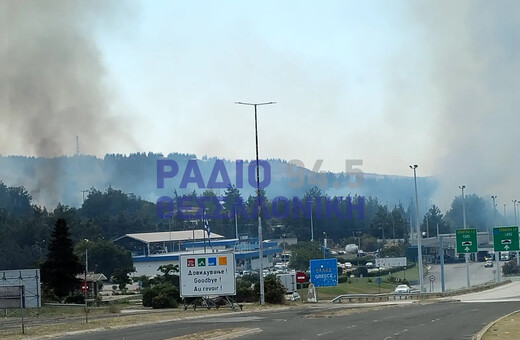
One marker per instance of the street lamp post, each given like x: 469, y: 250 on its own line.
x: 260, y: 245
x: 515, y: 202
x: 85, y: 284
x: 494, y: 197
x: 466, y: 256
x: 418, y: 229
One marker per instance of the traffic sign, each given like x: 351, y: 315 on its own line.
x: 324, y: 273
x: 466, y: 241
x: 432, y: 278
x: 505, y: 238
x: 207, y: 274
x: 300, y: 277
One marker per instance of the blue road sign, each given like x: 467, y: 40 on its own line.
x: 324, y: 273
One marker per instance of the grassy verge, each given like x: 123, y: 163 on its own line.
x: 506, y: 329
x: 365, y: 285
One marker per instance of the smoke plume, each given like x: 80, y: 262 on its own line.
x: 474, y: 48
x: 53, y: 84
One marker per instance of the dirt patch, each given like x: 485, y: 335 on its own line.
x: 50, y: 327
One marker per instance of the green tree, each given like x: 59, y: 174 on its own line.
x: 435, y: 218
x: 121, y: 276
x: 163, y: 291
x: 274, y: 290
x: 60, y: 269
x: 103, y: 256
x: 479, y: 213
x: 302, y: 253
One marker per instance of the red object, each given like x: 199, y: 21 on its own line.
x: 300, y: 277
x: 84, y: 287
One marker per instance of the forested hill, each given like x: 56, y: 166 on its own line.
x: 64, y: 179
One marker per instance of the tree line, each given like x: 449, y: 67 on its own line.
x: 25, y: 227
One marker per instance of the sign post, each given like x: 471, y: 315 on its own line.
x: 505, y: 238
x: 207, y: 274
x: 324, y: 272
x: 466, y: 241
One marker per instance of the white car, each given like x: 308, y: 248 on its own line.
x: 369, y: 265
x: 401, y: 289
x: 347, y: 265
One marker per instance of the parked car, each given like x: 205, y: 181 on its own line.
x: 347, y: 265
x: 488, y: 264
x: 369, y: 265
x: 401, y: 289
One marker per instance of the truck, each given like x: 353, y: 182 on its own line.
x: 288, y: 280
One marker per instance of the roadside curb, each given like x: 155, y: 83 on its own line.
x: 483, y: 331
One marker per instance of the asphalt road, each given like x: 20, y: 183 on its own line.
x: 455, y: 275
x: 457, y: 319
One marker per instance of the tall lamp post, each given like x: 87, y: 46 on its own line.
x: 494, y: 197
x: 260, y: 245
x: 85, y: 284
x: 466, y: 256
x: 418, y: 229
x: 515, y: 202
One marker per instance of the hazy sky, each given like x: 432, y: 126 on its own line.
x: 392, y: 83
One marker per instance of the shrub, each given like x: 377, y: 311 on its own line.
x: 342, y: 278
x: 75, y: 298
x: 245, y: 288
x: 166, y: 295
x: 510, y: 268
x: 164, y: 300
x: 274, y: 290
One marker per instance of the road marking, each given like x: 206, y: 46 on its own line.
x: 401, y: 332
x: 324, y: 333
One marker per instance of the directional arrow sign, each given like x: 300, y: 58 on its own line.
x: 505, y: 238
x: 466, y: 240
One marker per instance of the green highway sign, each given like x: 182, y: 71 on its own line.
x: 505, y: 238
x: 466, y: 240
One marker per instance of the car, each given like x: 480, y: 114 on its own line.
x: 369, y: 265
x: 488, y: 264
x: 347, y: 265
x: 490, y: 257
x: 402, y: 289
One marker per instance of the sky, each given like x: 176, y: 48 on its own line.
x: 395, y: 83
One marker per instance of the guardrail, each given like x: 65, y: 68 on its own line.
x: 378, y: 297
x: 415, y: 295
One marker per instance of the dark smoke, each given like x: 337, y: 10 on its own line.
x: 53, y: 85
